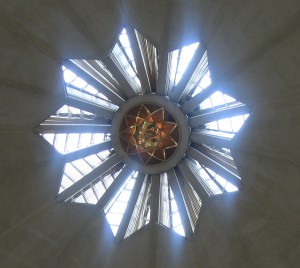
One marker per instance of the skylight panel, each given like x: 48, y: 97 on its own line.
x: 86, y: 96
x: 228, y: 125
x: 116, y: 208
x: 176, y: 223
x: 185, y: 56
x: 123, y: 57
x: 150, y: 59
x: 178, y: 61
x: 93, y: 192
x: 226, y: 185
x: 141, y: 213
x: 82, y: 166
x: 90, y: 196
x: 218, y: 100
x: 71, y: 79
x: 73, y: 113
x: 70, y: 142
x: 203, y: 177
x: 169, y: 214
x: 77, y: 169
x: 192, y: 201
x: 80, y: 199
x: 204, y: 83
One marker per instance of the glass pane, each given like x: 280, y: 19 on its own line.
x: 225, y: 125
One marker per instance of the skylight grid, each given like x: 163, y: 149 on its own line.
x: 123, y: 57
x: 141, y: 213
x: 72, y: 79
x: 92, y: 193
x: 176, y: 224
x: 218, y: 100
x: 169, y: 214
x: 192, y: 201
x: 220, y: 155
x: 164, y: 210
x: 116, y: 208
x: 71, y: 112
x: 226, y: 185
x: 98, y: 70
x: 229, y: 125
x: 208, y: 184
x: 86, y: 96
x: 76, y: 170
x: 150, y: 59
x: 178, y: 61
x: 70, y: 142
x: 200, y: 78
x: 204, y: 83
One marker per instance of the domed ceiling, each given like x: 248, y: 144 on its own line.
x: 140, y: 150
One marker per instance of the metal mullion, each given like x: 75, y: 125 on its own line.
x: 104, y: 184
x: 231, y: 125
x: 94, y: 191
x: 170, y: 209
x: 144, y: 205
x: 54, y: 140
x: 65, y: 147
x: 176, y: 72
x: 213, y: 179
x: 77, y: 169
x: 69, y: 177
x: 84, y: 197
x: 126, y: 56
x: 88, y: 163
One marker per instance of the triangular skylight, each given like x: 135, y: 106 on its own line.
x: 99, y: 172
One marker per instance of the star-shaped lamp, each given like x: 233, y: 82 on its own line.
x: 149, y: 134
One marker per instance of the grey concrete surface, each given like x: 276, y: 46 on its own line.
x: 253, y: 48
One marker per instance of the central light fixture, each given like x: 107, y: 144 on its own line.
x: 150, y: 133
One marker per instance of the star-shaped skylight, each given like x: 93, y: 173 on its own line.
x: 95, y: 174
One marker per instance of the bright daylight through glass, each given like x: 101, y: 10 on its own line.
x: 95, y: 174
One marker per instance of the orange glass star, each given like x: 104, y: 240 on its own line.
x: 146, y: 136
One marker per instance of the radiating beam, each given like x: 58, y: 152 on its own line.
x: 186, y: 223
x: 217, y: 115
x: 90, y: 177
x: 154, y: 202
x: 178, y: 91
x: 90, y: 107
x: 162, y: 71
x: 115, y: 99
x: 139, y: 61
x: 130, y: 207
x: 207, y: 137
x: 72, y: 128
x: 215, y: 166
x: 114, y: 187
x: 124, y: 85
x: 187, y: 173
x: 63, y: 120
x: 190, y: 104
x: 94, y: 149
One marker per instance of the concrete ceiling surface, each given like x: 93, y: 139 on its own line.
x: 253, y: 49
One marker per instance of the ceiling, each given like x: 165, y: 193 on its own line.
x: 253, y: 50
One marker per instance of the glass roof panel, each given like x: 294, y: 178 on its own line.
x: 71, y: 79
x: 123, y: 57
x: 116, y: 208
x: 179, y: 61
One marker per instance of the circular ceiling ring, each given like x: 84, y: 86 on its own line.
x: 178, y: 119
